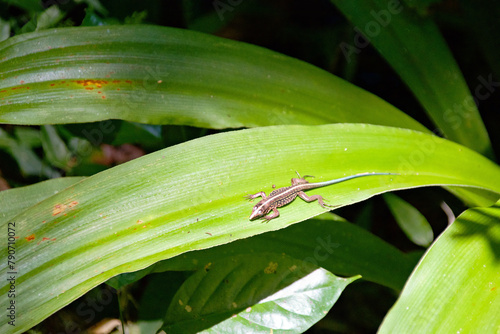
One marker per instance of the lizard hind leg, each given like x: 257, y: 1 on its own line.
x: 302, y: 180
x: 313, y: 198
x: 303, y: 177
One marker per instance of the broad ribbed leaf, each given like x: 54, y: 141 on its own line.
x: 327, y: 241
x: 414, y: 47
x: 161, y: 75
x: 254, y: 293
x: 190, y: 196
x: 455, y: 287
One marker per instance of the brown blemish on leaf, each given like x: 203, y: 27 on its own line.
x: 30, y: 237
x: 58, y: 208
x: 91, y: 82
x: 271, y: 268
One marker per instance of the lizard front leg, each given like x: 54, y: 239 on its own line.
x: 272, y: 215
x: 314, y: 198
x: 259, y: 194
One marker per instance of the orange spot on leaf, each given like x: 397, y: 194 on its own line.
x: 58, y: 208
x: 30, y: 237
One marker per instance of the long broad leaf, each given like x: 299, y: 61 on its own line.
x: 326, y: 241
x: 254, y: 293
x: 170, y: 76
x: 455, y: 287
x: 190, y: 196
x: 404, y: 39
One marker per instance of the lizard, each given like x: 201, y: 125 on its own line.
x: 282, y: 196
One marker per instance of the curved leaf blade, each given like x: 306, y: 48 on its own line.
x: 410, y: 220
x: 404, y: 39
x: 254, y: 293
x: 160, y: 75
x: 190, y: 196
x: 326, y: 241
x: 455, y: 287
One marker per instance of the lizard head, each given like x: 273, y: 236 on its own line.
x: 259, y: 210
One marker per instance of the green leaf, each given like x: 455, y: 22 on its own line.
x: 263, y: 292
x: 155, y: 299
x: 27, y: 136
x: 410, y: 220
x: 16, y: 200
x: 330, y: 242
x: 136, y: 133
x: 404, y: 39
x: 54, y: 147
x: 190, y: 196
x: 29, y: 163
x: 161, y: 75
x: 455, y: 287
x: 49, y: 17
x: 29, y: 5
x: 4, y: 30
